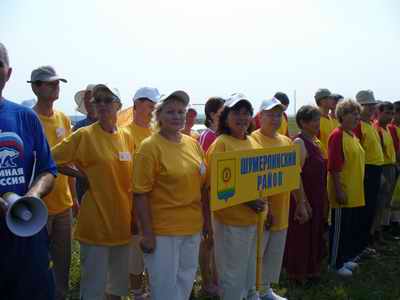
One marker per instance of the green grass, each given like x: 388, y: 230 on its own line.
x: 377, y: 279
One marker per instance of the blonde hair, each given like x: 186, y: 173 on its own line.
x: 156, y: 125
x: 346, y: 107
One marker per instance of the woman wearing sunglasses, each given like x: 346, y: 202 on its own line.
x: 102, y: 155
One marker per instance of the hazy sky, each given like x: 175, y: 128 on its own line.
x: 207, y: 48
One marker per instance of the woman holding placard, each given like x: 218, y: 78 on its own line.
x: 271, y: 113
x: 235, y: 227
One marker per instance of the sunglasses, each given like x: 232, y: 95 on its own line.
x: 105, y: 100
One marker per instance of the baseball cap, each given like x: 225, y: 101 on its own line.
x: 271, y: 103
x: 366, y: 97
x: 149, y: 93
x: 45, y: 73
x: 4, y: 54
x: 112, y: 90
x: 179, y: 95
x: 79, y: 98
x: 235, y: 99
x: 337, y: 97
x: 282, y: 97
x: 322, y: 94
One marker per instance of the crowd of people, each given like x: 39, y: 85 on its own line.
x: 141, y: 193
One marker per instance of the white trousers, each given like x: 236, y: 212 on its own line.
x: 104, y: 269
x: 274, y: 247
x: 235, y: 256
x: 172, y: 266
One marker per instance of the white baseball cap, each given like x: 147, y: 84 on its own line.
x: 149, y: 93
x: 269, y: 104
x: 180, y: 95
x: 236, y: 98
x: 79, y: 98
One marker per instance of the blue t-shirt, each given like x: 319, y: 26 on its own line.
x: 22, y: 140
x: 83, y: 123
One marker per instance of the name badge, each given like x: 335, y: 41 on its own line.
x: 203, y: 169
x: 125, y: 156
x: 60, y: 132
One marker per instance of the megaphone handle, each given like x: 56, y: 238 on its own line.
x: 3, y: 207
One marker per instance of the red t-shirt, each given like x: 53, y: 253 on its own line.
x: 393, y: 132
x: 335, y: 150
x: 206, y: 138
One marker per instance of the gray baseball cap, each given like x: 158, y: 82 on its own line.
x: 322, y: 94
x: 4, y: 55
x: 46, y: 74
x: 366, y: 97
x: 180, y: 95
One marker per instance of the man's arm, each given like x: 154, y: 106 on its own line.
x: 42, y: 185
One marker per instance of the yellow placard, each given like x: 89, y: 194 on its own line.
x: 242, y: 176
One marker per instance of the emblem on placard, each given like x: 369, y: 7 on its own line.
x: 226, y: 179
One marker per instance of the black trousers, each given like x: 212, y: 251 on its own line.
x: 341, y: 242
x: 366, y: 214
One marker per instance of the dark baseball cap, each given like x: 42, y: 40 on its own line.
x: 46, y: 74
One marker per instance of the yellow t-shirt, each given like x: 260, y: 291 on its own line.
x: 326, y: 126
x: 194, y: 135
x: 106, y: 159
x: 238, y: 215
x: 280, y: 203
x: 335, y: 123
x: 351, y: 175
x: 56, y: 128
x: 371, y: 143
x: 389, y: 153
x: 172, y: 175
x: 138, y: 133
x: 284, y: 126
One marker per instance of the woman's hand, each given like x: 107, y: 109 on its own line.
x: 75, y: 208
x: 301, y: 213
x: 85, y: 183
x: 148, y: 243
x: 269, y: 221
x: 257, y: 205
x: 208, y: 234
x: 341, y: 196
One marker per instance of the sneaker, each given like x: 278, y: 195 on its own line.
x: 344, y: 272
x: 272, y: 296
x: 139, y: 296
x: 351, y: 265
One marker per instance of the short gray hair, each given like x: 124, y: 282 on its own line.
x: 346, y: 107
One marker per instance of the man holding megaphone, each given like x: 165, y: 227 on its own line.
x: 27, y: 170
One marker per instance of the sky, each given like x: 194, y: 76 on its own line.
x: 206, y: 48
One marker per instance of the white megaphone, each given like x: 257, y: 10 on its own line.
x: 25, y: 216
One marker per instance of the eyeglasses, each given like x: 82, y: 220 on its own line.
x: 105, y: 100
x: 274, y: 114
